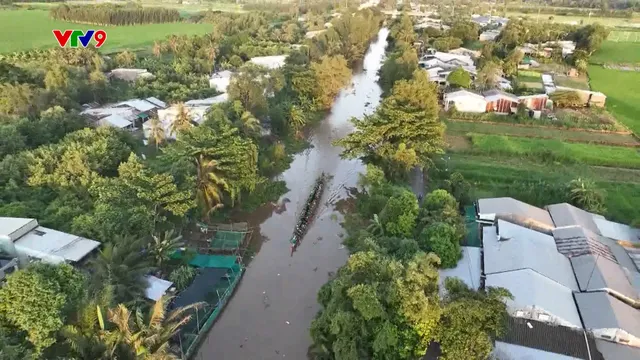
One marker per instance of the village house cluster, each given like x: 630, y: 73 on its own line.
x: 574, y: 277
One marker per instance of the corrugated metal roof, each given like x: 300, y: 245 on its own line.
x: 600, y: 310
x: 523, y: 248
x: 567, y: 215
x: 54, y: 246
x: 597, y: 273
x: 115, y: 120
x: 575, y: 241
x: 611, y: 350
x: 156, y: 102
x: 467, y: 269
x: 554, y: 339
x: 270, y: 62
x: 507, y: 205
x: 494, y: 95
x: 536, y: 294
x: 13, y: 228
x: 140, y: 105
x: 156, y: 287
x: 502, y: 350
x: 617, y: 231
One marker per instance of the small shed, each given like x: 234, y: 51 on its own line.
x: 156, y: 287
x: 535, y: 102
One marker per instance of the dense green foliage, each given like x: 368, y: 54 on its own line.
x: 404, y: 132
x: 384, y: 303
x: 107, y: 14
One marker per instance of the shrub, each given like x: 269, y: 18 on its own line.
x: 182, y: 277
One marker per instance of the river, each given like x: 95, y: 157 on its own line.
x: 269, y: 315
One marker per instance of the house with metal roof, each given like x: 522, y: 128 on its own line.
x: 489, y: 207
x: 465, y: 101
x: 270, y: 62
x: 604, y: 269
x: 125, y: 114
x: 24, y: 237
x: 130, y: 74
x: 220, y: 80
x: 501, y: 102
x: 468, y: 269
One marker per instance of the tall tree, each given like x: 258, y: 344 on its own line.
x: 221, y: 159
x: 471, y: 320
x: 121, y: 265
x: 400, y: 65
x: 164, y: 245
x: 378, y: 308
x: 488, y: 75
x: 182, y: 120
x: 405, y: 131
x: 331, y: 75
x: 38, y: 300
x: 157, y: 134
x: 459, y: 78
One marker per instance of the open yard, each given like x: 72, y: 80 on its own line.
x: 463, y: 128
x: 624, y: 36
x: 28, y: 29
x: 555, y: 151
x: 578, y: 82
x: 623, y: 93
x: 613, y: 52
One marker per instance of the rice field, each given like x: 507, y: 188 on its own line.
x: 464, y: 128
x: 16, y: 36
x: 612, y: 52
x: 623, y: 93
x: 494, y: 176
x: 555, y: 151
x: 624, y: 36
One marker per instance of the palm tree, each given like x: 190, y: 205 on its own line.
x: 249, y: 125
x: 182, y: 120
x: 148, y: 336
x: 121, y: 264
x: 297, y: 119
x: 156, y: 131
x: 375, y: 226
x: 163, y: 245
x: 210, y: 185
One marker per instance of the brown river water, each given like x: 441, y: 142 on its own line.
x: 269, y: 315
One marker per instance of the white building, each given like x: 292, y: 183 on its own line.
x: 130, y: 74
x: 220, y: 80
x: 270, y: 62
x: 489, y: 35
x: 24, y: 237
x: 465, y: 101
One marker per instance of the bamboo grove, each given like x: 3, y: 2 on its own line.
x: 114, y: 15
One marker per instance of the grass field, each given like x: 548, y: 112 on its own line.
x: 463, y: 128
x: 623, y: 93
x: 495, y: 176
x: 622, y: 22
x: 624, y: 36
x: 572, y: 82
x: 31, y: 29
x: 555, y: 151
x: 183, y: 8
x: 617, y: 52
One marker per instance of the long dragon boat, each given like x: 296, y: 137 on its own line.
x: 308, y: 212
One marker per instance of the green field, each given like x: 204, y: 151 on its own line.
x: 621, y: 22
x: 555, y: 151
x: 623, y: 93
x: 463, y: 128
x: 624, y: 36
x: 617, y: 53
x: 31, y: 29
x: 495, y: 176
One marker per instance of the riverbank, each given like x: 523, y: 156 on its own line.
x: 273, y: 306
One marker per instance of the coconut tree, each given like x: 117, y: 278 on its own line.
x: 297, y: 119
x: 121, y: 264
x: 249, y: 125
x: 147, y: 336
x: 163, y: 245
x: 156, y: 131
x: 210, y: 185
x: 182, y: 120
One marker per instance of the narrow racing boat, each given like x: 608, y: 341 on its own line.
x: 308, y: 212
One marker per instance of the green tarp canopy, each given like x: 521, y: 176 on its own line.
x: 210, y: 261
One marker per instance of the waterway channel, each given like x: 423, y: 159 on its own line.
x: 269, y: 315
